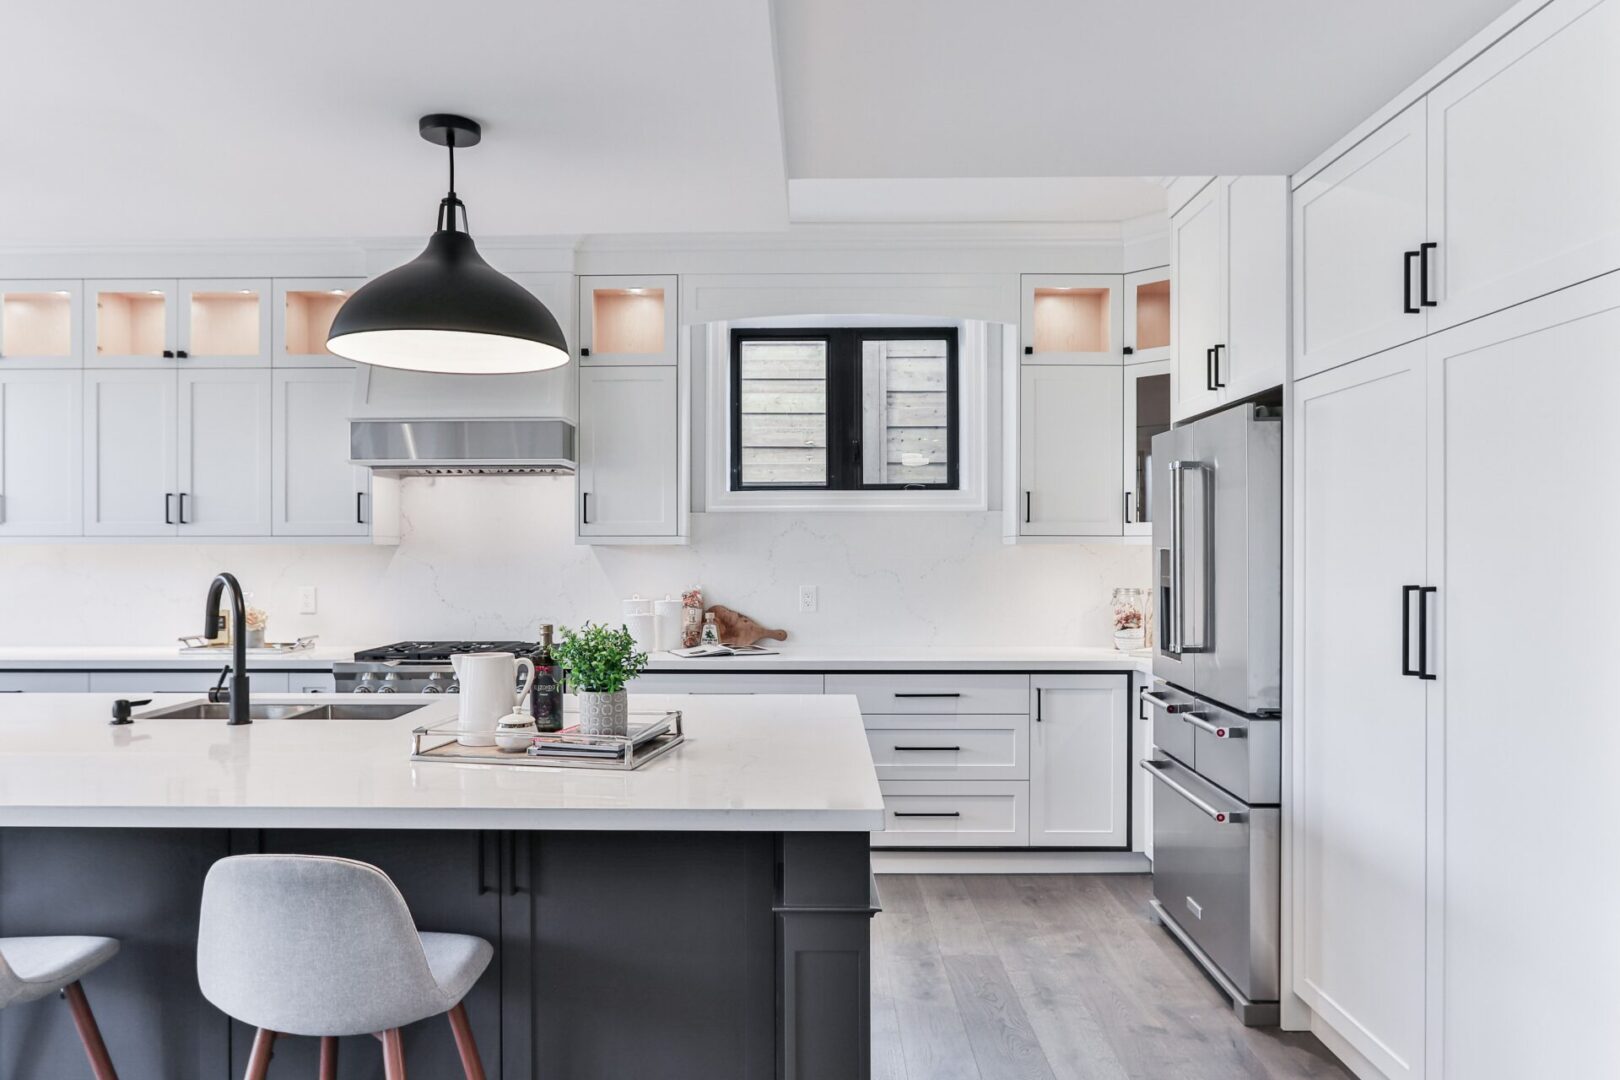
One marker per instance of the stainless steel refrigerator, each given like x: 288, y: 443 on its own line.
x: 1216, y: 697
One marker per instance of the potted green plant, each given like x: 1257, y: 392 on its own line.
x: 599, y: 661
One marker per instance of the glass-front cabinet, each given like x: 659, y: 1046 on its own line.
x: 1147, y: 316
x: 303, y: 309
x: 40, y: 324
x: 131, y: 322
x: 1147, y: 413
x: 1072, y: 319
x: 225, y: 322
x: 627, y: 320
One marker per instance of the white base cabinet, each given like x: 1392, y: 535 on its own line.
x: 1425, y: 564
x: 1079, y: 761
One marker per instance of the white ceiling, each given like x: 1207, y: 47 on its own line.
x: 177, y: 120
x: 898, y: 88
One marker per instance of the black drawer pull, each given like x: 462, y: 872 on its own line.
x: 921, y: 748
x: 898, y: 695
x: 917, y: 813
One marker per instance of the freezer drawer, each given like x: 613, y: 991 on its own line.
x: 1216, y: 872
x: 1170, y: 733
x: 1240, y: 753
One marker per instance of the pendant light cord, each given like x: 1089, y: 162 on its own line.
x: 448, y: 205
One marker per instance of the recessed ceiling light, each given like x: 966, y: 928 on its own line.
x: 448, y: 310
x: 154, y: 292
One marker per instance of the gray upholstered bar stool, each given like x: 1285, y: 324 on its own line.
x: 306, y: 945
x: 32, y: 967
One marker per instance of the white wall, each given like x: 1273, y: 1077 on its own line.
x: 491, y: 557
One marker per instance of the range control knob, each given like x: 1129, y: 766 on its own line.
x: 435, y: 683
x: 453, y: 688
x: 390, y: 683
x: 367, y: 683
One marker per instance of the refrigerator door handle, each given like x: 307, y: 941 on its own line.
x: 1181, y: 640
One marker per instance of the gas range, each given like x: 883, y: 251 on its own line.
x: 414, y: 667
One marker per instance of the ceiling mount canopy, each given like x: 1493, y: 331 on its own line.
x: 447, y: 310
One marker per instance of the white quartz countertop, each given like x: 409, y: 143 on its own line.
x: 150, y: 657
x: 916, y: 658
x: 778, y: 763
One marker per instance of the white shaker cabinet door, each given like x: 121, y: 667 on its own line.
x: 1078, y: 760
x: 1521, y: 542
x: 1254, y: 352
x: 1361, y: 742
x: 1356, y: 289
x: 1197, y: 299
x: 130, y: 422
x: 41, y: 453
x: 628, y: 454
x: 1524, y: 165
x: 315, y: 491
x: 224, y: 452
x: 1070, y: 442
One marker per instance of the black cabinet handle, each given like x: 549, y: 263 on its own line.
x: 489, y: 858
x: 1026, y: 508
x: 181, y: 354
x: 183, y: 508
x: 949, y: 695
x: 1219, y: 385
x: 168, y: 354
x: 921, y: 748
x: 1406, y: 283
x: 1406, y: 629
x: 1423, y: 671
x: 1127, y: 508
x: 1209, y: 369
x: 1037, y: 705
x: 1129, y: 351
x: 1029, y: 350
x: 168, y: 508
x: 584, y: 508
x: 916, y: 813
x: 359, y: 501
x: 1423, y: 274
x: 584, y: 351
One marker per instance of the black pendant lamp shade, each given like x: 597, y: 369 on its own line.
x: 447, y: 310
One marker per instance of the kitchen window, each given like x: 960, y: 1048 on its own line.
x: 844, y: 410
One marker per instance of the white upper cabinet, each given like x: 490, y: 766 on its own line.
x: 1254, y: 349
x: 314, y: 489
x: 1198, y: 256
x: 1147, y: 413
x: 627, y: 320
x: 224, y: 322
x: 1359, y: 227
x: 1069, y: 448
x: 131, y: 323
x: 1147, y: 316
x: 1360, y: 760
x: 1524, y: 165
x: 224, y: 453
x: 1072, y: 319
x: 41, y: 324
x: 1079, y: 732
x: 41, y: 453
x: 302, y: 310
x: 629, y: 453
x: 131, y: 422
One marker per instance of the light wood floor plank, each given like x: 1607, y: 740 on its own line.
x: 1004, y: 1043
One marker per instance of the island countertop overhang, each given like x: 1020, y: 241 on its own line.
x: 750, y: 764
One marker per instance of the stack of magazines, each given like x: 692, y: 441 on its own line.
x: 570, y: 742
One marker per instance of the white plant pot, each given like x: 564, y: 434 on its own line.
x: 604, y: 714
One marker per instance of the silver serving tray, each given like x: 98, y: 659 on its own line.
x: 437, y: 742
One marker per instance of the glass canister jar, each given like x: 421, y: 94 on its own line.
x: 1130, y: 618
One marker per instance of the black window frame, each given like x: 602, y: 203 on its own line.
x: 844, y: 419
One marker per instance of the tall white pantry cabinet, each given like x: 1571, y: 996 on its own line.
x: 1454, y: 520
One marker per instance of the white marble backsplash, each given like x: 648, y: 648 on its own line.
x: 490, y: 557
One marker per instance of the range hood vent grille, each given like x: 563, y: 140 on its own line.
x: 475, y: 447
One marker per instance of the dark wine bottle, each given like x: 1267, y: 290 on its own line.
x: 545, y: 700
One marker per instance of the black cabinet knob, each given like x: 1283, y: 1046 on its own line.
x: 168, y: 354
x: 182, y: 354
x: 1029, y: 350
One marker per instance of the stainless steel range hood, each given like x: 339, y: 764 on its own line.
x: 484, y: 446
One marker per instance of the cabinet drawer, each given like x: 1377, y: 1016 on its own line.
x: 937, y: 694
x: 982, y: 747
x: 180, y: 682
x: 44, y: 682
x: 723, y: 682
x: 983, y: 813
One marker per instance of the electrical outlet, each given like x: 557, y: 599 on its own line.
x: 306, y: 599
x: 807, y: 597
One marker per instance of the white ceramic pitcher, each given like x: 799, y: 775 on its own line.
x: 487, y: 681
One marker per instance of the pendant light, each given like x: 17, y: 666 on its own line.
x: 447, y: 310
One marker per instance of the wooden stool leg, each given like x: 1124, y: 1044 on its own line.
x: 264, y: 1041
x: 329, y: 1049
x: 393, y: 1055
x: 465, y: 1044
x: 89, y: 1034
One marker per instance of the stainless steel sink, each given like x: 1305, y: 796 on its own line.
x: 360, y: 710
x: 209, y: 710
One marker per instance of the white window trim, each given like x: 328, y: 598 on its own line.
x: 973, y: 432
